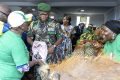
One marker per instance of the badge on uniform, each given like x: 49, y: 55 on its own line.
x: 51, y: 31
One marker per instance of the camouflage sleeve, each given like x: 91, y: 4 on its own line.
x: 58, y: 32
x: 30, y: 32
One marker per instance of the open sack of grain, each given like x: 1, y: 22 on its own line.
x: 88, y: 68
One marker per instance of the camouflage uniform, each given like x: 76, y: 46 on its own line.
x: 48, y: 32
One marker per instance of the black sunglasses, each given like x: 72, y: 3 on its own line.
x: 4, y: 13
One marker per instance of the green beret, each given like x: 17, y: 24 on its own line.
x: 44, y: 7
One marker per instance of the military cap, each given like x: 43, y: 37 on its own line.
x: 44, y: 7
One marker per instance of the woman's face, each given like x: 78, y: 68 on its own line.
x: 65, y: 20
x: 107, y: 34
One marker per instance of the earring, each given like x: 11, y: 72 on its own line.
x: 113, y: 35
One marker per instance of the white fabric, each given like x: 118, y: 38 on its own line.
x: 40, y: 48
x: 68, y: 29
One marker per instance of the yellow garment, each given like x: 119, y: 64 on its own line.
x: 1, y: 27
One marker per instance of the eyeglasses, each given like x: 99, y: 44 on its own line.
x: 4, y: 13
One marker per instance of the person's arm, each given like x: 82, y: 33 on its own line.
x: 26, y: 67
x: 34, y: 62
x: 30, y: 34
x: 51, y: 49
x: 59, y: 39
x: 20, y: 56
x: 29, y: 40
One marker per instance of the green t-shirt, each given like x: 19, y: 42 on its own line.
x: 13, y: 52
x: 113, y: 48
x: 108, y: 48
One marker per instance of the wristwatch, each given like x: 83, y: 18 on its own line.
x: 54, y: 45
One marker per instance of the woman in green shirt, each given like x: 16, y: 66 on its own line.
x: 14, y: 57
x: 111, y: 36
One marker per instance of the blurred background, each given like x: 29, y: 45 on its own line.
x: 94, y: 12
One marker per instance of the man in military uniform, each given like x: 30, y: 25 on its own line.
x: 47, y: 30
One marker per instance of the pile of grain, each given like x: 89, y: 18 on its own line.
x: 81, y: 68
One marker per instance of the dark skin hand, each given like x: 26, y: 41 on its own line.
x: 51, y: 49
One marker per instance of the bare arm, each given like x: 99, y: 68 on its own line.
x: 32, y: 63
x: 59, y: 41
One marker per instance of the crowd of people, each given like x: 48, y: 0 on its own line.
x: 20, y: 30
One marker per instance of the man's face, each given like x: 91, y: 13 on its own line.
x: 43, y: 16
x: 25, y: 26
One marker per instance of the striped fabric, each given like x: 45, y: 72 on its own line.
x: 3, y: 27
